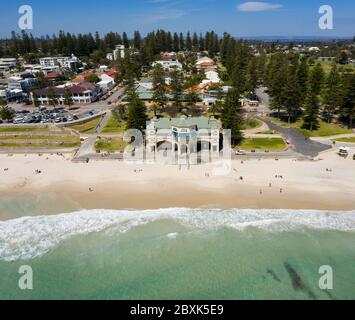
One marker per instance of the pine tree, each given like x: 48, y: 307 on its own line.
x: 231, y: 116
x: 36, y: 102
x: 316, y: 79
x: 347, y: 106
x: 159, y: 87
x: 291, y: 97
x: 188, y: 42
x: 302, y: 79
x: 137, y: 117
x: 331, y: 93
x: 52, y: 100
x: 177, y: 84
x: 252, y: 76
x: 311, y: 111
x: 68, y: 100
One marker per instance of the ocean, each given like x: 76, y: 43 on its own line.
x: 178, y: 253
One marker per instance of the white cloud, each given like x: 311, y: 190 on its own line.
x: 254, y: 6
x: 159, y: 15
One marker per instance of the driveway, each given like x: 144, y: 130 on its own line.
x: 299, y: 143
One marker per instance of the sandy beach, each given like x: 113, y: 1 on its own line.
x: 327, y: 183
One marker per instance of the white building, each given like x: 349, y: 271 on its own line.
x: 313, y: 49
x: 168, y: 65
x: 64, y: 62
x: 7, y: 63
x: 183, y: 136
x: 119, y: 52
x: 107, y: 83
x: 81, y: 93
x: 19, y: 83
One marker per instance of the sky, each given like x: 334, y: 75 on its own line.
x: 239, y: 18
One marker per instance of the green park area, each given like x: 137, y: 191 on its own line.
x: 270, y: 144
x: 325, y: 129
x: 346, y: 140
x: 37, y: 137
x: 251, y: 123
x: 87, y: 127
x: 110, y: 145
x: 114, y: 126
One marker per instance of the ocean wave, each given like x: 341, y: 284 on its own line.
x: 30, y: 237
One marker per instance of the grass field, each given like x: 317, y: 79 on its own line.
x: 24, y: 129
x: 39, y: 145
x: 327, y: 66
x: 347, y: 140
x: 87, y: 127
x: 110, y: 145
x: 270, y: 144
x: 325, y: 129
x: 39, y: 137
x: 269, y: 132
x: 252, y: 123
x: 114, y: 126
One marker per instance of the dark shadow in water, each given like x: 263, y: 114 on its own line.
x: 273, y: 274
x: 330, y: 295
x: 297, y: 282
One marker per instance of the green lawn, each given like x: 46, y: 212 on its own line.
x: 271, y: 144
x: 252, y: 124
x: 39, y: 137
x: 114, y: 126
x: 348, y: 140
x: 39, y: 145
x: 325, y: 129
x: 24, y: 129
x: 87, y: 127
x: 111, y: 145
x: 327, y: 66
x: 269, y: 132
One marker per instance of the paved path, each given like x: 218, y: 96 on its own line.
x: 299, y: 143
x: 103, y: 123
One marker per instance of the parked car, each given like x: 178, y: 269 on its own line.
x: 240, y: 153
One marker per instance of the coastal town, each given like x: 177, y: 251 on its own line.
x: 83, y: 105
x: 162, y: 165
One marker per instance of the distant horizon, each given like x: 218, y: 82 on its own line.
x: 247, y: 37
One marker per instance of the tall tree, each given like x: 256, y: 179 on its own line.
x: 36, y: 102
x: 137, y: 117
x: 291, y: 97
x: 52, y: 100
x: 331, y: 93
x: 231, y: 116
x: 177, y: 85
x: 316, y: 79
x: 159, y: 86
x: 347, y: 106
x: 68, y: 99
x: 302, y: 79
x: 311, y: 111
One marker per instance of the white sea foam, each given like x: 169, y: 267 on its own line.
x: 31, y: 237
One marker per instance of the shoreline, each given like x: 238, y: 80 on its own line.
x: 63, y: 186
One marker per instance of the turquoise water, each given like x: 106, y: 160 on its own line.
x: 179, y: 254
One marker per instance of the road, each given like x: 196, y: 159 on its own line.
x: 299, y: 143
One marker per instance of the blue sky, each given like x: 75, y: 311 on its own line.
x: 276, y: 17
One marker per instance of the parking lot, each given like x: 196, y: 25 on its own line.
x: 44, y: 115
